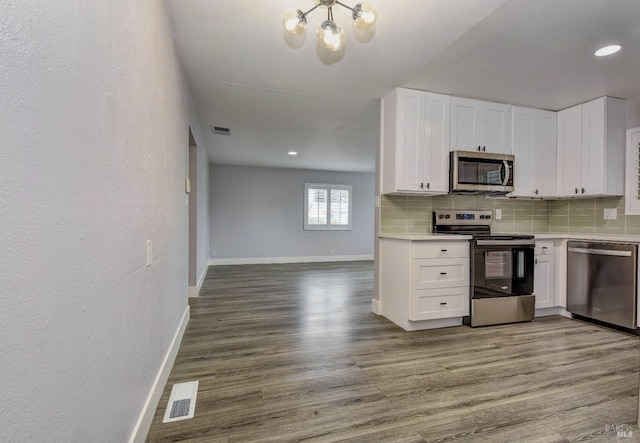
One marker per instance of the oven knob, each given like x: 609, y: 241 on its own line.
x: 447, y: 216
x: 482, y: 216
x: 441, y: 216
x: 487, y: 216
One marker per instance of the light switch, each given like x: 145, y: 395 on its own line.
x: 149, y: 253
x: 187, y: 185
x: 610, y: 213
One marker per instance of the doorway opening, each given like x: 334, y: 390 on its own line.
x: 193, y: 215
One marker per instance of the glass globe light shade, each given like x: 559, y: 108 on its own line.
x: 364, y: 15
x: 331, y: 36
x: 294, y: 22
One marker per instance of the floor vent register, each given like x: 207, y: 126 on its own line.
x: 182, y: 402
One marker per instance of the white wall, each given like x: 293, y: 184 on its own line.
x: 258, y: 212
x: 94, y: 117
x: 202, y: 226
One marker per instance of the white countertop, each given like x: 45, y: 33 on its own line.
x: 427, y: 237
x: 456, y: 237
x: 590, y: 237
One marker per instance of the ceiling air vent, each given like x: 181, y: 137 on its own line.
x: 220, y: 130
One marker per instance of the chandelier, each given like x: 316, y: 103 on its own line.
x: 329, y: 34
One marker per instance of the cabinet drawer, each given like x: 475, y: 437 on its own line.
x: 440, y: 250
x: 544, y: 248
x: 430, y: 304
x: 439, y: 273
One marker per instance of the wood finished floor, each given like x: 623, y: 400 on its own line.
x: 293, y: 353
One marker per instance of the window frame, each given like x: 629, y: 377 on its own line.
x: 328, y: 226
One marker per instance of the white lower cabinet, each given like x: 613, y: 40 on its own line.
x: 429, y: 304
x: 424, y: 284
x: 544, y: 275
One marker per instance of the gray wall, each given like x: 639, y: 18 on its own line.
x: 95, y: 112
x: 633, y: 112
x: 258, y: 212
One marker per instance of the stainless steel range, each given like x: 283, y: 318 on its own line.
x: 501, y: 268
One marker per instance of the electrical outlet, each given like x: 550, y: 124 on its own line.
x: 149, y: 253
x: 610, y: 213
x: 330, y: 251
x: 498, y: 214
x: 377, y: 201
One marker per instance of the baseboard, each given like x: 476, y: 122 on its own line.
x: 375, y: 306
x: 276, y: 260
x: 557, y: 310
x: 194, y: 291
x: 141, y: 429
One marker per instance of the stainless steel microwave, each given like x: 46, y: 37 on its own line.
x: 481, y: 172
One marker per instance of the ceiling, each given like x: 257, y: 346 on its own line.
x: 277, y: 93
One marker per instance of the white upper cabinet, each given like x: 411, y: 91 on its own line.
x: 415, y: 142
x: 480, y: 126
x: 632, y: 176
x: 533, y: 142
x: 591, y: 149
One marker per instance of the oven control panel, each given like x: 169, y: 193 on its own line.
x: 447, y: 217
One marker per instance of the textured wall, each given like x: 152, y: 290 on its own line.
x: 258, y: 212
x: 93, y: 132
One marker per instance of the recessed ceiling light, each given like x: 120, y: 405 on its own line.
x: 292, y: 153
x: 607, y: 50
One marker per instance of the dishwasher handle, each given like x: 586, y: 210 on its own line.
x: 594, y: 251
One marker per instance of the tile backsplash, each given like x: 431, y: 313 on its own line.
x: 401, y: 214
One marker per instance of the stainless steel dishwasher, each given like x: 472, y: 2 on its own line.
x: 602, y: 281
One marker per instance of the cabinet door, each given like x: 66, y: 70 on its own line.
x: 593, y: 147
x: 436, y: 150
x: 569, y: 155
x: 465, y: 124
x: 545, y: 154
x: 632, y: 175
x: 494, y: 128
x: 543, y: 281
x: 410, y: 140
x: 524, y: 145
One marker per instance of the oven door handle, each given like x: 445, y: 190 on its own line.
x: 505, y: 242
x: 505, y: 167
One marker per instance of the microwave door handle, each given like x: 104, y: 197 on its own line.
x: 505, y: 166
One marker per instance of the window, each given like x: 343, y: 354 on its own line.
x: 327, y: 206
